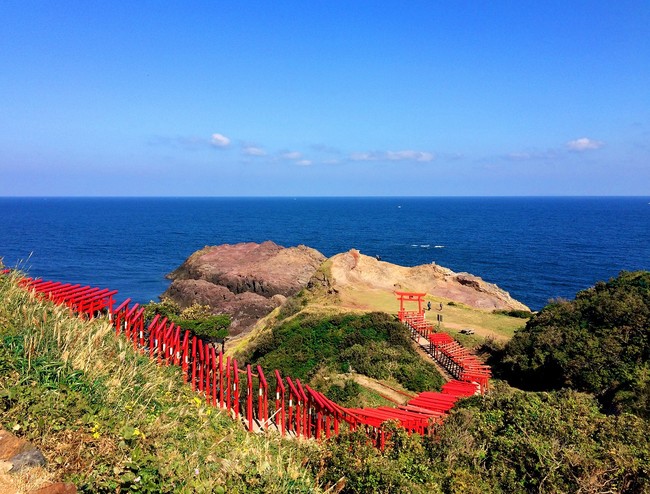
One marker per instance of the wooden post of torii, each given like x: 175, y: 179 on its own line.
x: 409, y: 297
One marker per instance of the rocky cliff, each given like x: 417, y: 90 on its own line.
x: 249, y: 280
x: 246, y: 280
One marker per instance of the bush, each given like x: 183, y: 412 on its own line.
x: 290, y: 307
x: 373, y: 344
x: 542, y: 442
x: 209, y: 328
x: 346, y: 395
x: 597, y: 343
x: 522, y: 314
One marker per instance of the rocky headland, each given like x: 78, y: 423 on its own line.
x: 245, y: 280
x: 249, y: 280
x: 354, y: 271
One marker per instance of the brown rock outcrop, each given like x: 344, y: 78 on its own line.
x: 357, y: 271
x: 246, y: 280
x: 18, y: 452
x: 249, y: 280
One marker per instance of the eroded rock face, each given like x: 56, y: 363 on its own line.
x: 355, y: 270
x: 246, y: 280
x: 249, y: 280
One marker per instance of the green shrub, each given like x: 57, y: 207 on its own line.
x: 346, y: 395
x: 522, y: 314
x: 291, y: 306
x: 597, y: 343
x: 542, y: 442
x: 210, y: 328
x: 373, y: 344
x: 198, y: 319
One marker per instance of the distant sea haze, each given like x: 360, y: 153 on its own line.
x: 535, y: 248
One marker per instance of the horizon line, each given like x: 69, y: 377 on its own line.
x: 531, y: 196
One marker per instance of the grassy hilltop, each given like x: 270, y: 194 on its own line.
x: 112, y: 421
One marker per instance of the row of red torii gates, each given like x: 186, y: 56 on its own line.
x: 295, y: 409
x: 454, y: 357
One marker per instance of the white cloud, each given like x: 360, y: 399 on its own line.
x: 291, y: 155
x: 409, y: 156
x: 406, y: 155
x: 519, y: 156
x: 303, y: 162
x: 219, y: 141
x: 583, y: 144
x: 253, y: 151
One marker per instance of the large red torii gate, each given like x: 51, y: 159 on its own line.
x: 409, y: 297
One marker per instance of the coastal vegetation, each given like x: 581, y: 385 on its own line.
x: 310, y: 346
x: 506, y: 442
x: 598, y: 343
x: 111, y: 420
x: 197, y: 318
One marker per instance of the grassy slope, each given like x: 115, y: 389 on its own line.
x: 319, y: 302
x: 486, y: 324
x: 107, y: 418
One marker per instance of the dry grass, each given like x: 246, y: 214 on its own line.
x: 144, y: 422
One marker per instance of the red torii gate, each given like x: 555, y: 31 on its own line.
x: 410, y: 297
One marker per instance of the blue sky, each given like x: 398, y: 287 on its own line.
x: 426, y: 98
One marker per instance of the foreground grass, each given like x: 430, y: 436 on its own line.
x: 110, y: 420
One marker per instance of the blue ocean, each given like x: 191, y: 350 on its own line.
x: 535, y: 248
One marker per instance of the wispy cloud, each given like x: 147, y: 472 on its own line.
x: 219, y: 140
x: 531, y: 156
x: 584, y: 144
x: 249, y: 150
x: 291, y: 155
x: 409, y: 156
x: 406, y: 155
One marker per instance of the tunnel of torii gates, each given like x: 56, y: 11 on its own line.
x: 456, y: 359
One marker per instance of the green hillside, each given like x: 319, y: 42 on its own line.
x: 312, y: 346
x: 112, y: 421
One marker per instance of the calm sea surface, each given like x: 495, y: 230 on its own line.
x: 535, y: 248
